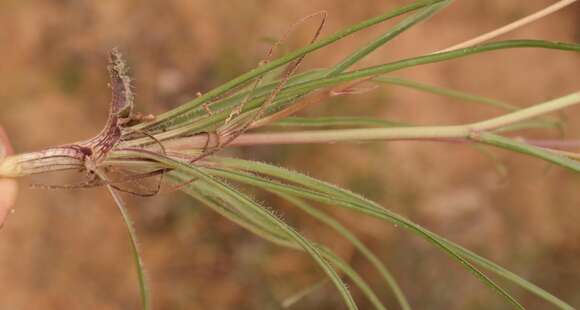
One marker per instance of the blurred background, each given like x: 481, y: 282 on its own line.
x: 69, y: 249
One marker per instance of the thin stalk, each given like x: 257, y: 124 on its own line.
x: 143, y: 286
x: 525, y: 114
x: 296, y: 297
x: 512, y: 26
x: 359, y: 134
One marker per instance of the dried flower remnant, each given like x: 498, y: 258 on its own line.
x: 87, y: 154
x: 122, y: 103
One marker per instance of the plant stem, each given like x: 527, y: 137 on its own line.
x: 511, y: 26
x: 47, y: 160
x: 466, y: 131
x: 361, y: 134
x: 531, y: 112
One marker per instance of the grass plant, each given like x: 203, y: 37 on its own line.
x: 181, y: 147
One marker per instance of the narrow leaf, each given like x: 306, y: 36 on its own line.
x: 375, y: 211
x: 143, y: 285
x: 399, y: 28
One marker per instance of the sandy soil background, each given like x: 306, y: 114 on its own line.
x: 69, y: 250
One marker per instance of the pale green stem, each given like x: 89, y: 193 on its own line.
x: 528, y: 113
x: 360, y: 134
